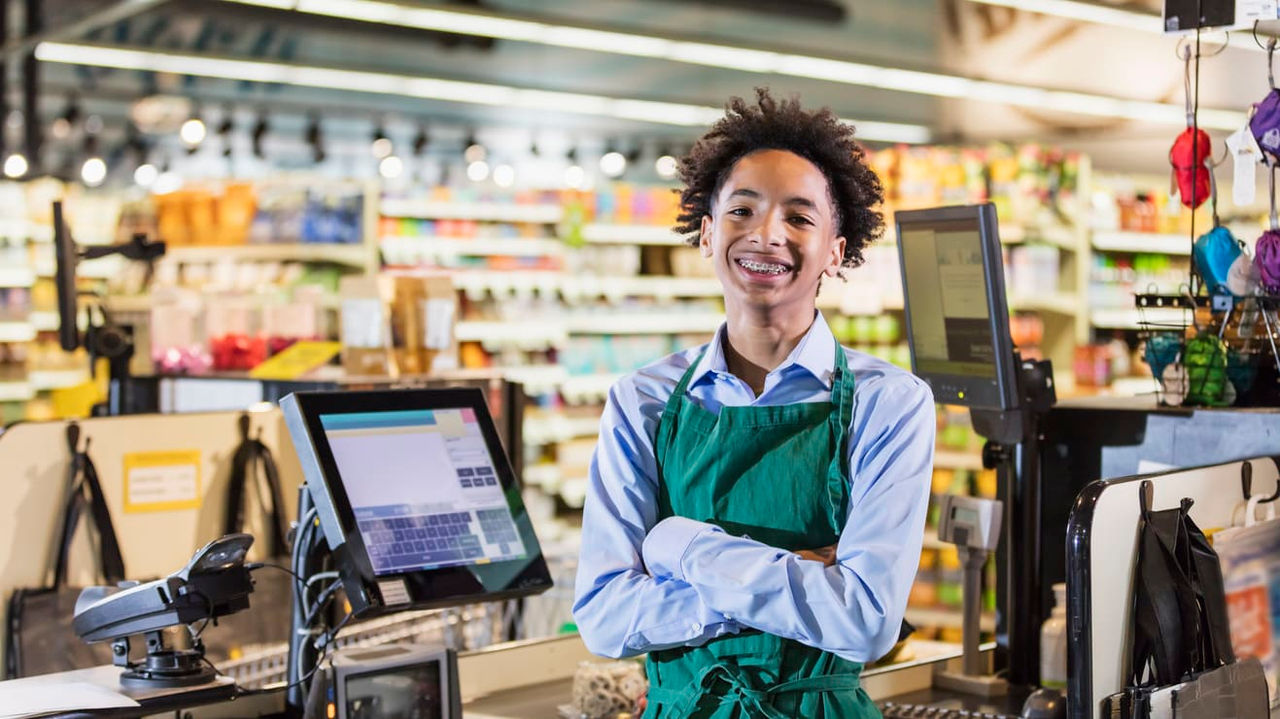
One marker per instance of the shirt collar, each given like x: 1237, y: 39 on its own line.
x: 815, y: 353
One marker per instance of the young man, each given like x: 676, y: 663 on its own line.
x: 757, y: 504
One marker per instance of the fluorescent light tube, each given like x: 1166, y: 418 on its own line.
x: 667, y: 113
x: 765, y: 61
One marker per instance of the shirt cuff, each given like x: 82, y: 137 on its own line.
x: 666, y: 544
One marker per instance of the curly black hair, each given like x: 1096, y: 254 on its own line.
x: 819, y: 137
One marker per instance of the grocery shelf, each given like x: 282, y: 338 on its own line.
x: 17, y: 331
x: 101, y: 268
x: 951, y: 618
x: 479, y: 211
x: 537, y: 379
x: 1059, y: 302
x: 582, y: 388
x: 531, y: 333
x: 44, y: 321
x: 17, y: 277
x: 1132, y: 318
x: 478, y: 246
x: 640, y: 286
x: 56, y: 379
x: 1109, y: 241
x: 949, y: 459
x: 354, y: 255
x: 16, y: 390
x: 639, y: 324
x: 554, y: 428
x: 22, y: 229
x: 574, y: 491
x: 546, y: 476
x: 1059, y: 236
x: 601, y: 233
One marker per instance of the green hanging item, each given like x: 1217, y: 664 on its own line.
x: 1205, y: 359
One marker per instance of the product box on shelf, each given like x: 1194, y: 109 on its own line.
x: 398, y: 324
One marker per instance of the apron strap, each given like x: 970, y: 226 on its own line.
x: 670, y: 416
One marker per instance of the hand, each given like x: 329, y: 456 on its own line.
x: 826, y: 555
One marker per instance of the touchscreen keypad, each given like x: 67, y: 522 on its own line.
x: 421, y: 540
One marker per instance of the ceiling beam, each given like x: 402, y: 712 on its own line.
x: 116, y: 12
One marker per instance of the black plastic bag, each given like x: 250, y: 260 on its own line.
x: 38, y: 637
x: 267, y: 620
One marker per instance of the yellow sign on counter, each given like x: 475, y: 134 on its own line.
x: 162, y: 481
x: 299, y: 359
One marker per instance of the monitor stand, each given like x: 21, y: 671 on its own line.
x: 1012, y: 449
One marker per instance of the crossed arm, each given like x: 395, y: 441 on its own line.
x: 644, y: 585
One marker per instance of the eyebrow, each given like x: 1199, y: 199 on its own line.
x: 797, y: 200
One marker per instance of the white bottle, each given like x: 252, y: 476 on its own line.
x: 1053, y: 642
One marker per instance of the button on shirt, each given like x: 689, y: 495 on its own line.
x: 645, y: 585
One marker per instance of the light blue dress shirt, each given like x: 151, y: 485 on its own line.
x: 644, y: 585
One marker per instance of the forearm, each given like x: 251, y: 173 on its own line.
x: 848, y: 608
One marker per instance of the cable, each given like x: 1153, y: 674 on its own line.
x: 297, y: 580
x: 328, y: 637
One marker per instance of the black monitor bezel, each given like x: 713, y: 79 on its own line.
x: 429, y: 588
x: 979, y: 393
x: 65, y: 257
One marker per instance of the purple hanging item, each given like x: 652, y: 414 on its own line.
x: 1265, y: 124
x: 1267, y: 258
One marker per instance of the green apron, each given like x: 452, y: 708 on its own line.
x: 777, y: 474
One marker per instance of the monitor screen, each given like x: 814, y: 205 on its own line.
x: 461, y: 517
x: 416, y: 497
x: 412, y: 692
x: 957, y: 317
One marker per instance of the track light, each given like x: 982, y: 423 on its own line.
x: 259, y: 132
x: 225, y: 126
x: 315, y: 139
x: 65, y: 122
x: 504, y: 176
x: 666, y: 167
x: 193, y: 131
x: 146, y: 174
x: 420, y: 141
x: 15, y: 166
x: 477, y: 171
x: 613, y: 164
x: 574, y: 177
x: 390, y: 167
x: 474, y: 151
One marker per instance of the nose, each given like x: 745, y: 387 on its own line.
x: 772, y: 230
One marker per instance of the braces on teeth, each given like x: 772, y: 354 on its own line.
x: 762, y: 267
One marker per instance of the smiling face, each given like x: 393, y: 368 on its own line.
x: 772, y: 233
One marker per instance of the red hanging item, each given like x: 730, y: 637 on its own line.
x: 1191, y: 173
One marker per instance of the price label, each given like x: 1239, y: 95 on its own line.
x: 297, y: 360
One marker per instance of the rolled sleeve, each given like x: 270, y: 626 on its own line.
x: 667, y: 543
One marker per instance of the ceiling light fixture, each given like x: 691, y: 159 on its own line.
x: 259, y: 133
x: 613, y: 164
x: 666, y: 113
x: 753, y: 60
x: 478, y: 171
x: 504, y: 176
x: 390, y: 167
x: 665, y: 166
x: 420, y: 141
x: 146, y: 175
x: 15, y: 166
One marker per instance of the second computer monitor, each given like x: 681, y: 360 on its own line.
x: 957, y: 315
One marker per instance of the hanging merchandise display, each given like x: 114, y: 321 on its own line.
x: 1205, y: 359
x: 1268, y: 247
x: 1264, y: 121
x: 1190, y: 156
x: 1192, y: 149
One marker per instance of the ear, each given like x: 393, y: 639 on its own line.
x: 837, y: 258
x: 704, y: 240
